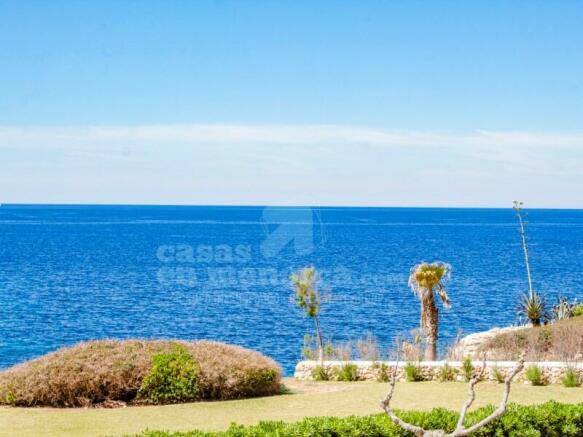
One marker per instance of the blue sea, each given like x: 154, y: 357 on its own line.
x: 73, y: 273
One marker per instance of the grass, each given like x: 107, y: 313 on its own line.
x: 306, y: 398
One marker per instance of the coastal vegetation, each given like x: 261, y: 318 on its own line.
x: 461, y: 429
x: 425, y: 279
x: 560, y: 341
x: 446, y: 373
x: 368, y: 348
x: 305, y: 285
x: 565, y: 309
x: 321, y: 373
x: 113, y: 373
x: 550, y: 419
x: 532, y: 305
x: 413, y: 372
x: 534, y: 375
x: 303, y: 399
x: 467, y: 368
x: 382, y: 372
x: 174, y: 377
x: 347, y: 372
x: 498, y: 375
x: 571, y: 379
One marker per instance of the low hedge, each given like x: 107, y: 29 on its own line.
x: 139, y: 371
x: 547, y: 420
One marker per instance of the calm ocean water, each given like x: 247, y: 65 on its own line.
x: 72, y: 273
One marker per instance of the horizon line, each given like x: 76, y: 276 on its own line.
x: 185, y: 205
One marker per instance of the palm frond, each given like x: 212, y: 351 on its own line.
x: 443, y: 295
x: 425, y: 277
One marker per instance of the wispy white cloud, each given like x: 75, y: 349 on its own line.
x: 11, y: 136
x: 274, y: 164
x: 295, y: 149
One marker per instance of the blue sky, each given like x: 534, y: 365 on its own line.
x: 281, y: 102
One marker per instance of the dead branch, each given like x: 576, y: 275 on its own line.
x: 385, y: 405
x: 471, y: 395
x: 501, y: 408
x: 460, y: 431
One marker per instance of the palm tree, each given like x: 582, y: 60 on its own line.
x: 423, y: 280
x: 304, y: 283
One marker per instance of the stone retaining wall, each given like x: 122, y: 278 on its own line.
x: 552, y: 372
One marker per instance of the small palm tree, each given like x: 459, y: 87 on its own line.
x: 304, y: 283
x: 424, y: 279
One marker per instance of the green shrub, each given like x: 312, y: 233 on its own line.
x: 467, y: 369
x: 446, y: 373
x: 413, y: 373
x: 578, y: 310
x: 383, y: 372
x: 571, y: 378
x: 173, y: 378
x: 10, y: 398
x: 347, y: 372
x: 534, y: 375
x: 549, y: 420
x: 498, y: 375
x: 321, y: 373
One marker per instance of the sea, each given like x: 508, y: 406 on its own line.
x: 74, y: 273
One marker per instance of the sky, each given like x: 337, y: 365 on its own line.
x: 365, y: 103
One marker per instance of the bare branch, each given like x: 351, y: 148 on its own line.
x: 501, y: 408
x: 459, y: 431
x: 471, y: 394
x: 385, y: 405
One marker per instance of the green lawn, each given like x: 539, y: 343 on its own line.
x: 306, y: 399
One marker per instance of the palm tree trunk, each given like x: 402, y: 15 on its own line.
x: 430, y: 326
x: 319, y: 340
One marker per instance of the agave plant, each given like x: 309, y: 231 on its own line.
x: 532, y: 306
x: 563, y: 309
x: 424, y: 279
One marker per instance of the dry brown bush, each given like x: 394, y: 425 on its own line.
x: 561, y: 341
x: 343, y: 351
x: 108, y: 370
x: 368, y: 348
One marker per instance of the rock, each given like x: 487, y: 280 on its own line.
x: 469, y: 346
